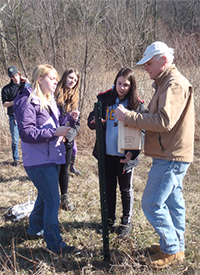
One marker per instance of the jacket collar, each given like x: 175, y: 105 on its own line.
x: 159, y: 79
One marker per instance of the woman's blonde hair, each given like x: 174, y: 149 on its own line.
x: 41, y: 71
x: 67, y: 98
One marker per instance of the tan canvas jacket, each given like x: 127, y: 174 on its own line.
x: 169, y: 120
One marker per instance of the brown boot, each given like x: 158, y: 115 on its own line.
x: 155, y: 248
x: 162, y: 260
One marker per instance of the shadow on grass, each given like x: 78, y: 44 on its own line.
x: 35, y: 259
x: 20, y: 254
x: 7, y: 162
x: 38, y: 259
x: 13, y: 177
x: 80, y: 225
x: 18, y: 230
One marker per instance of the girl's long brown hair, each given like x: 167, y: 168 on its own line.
x: 68, y: 99
x: 132, y: 95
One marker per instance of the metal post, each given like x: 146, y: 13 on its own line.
x: 102, y: 180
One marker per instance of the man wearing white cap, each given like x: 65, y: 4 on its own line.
x: 169, y: 125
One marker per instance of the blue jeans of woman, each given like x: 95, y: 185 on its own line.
x: 15, y: 137
x: 45, y: 213
x: 163, y: 203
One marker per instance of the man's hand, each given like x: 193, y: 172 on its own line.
x: 128, y: 157
x: 120, y: 112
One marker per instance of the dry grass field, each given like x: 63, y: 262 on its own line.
x: 18, y: 255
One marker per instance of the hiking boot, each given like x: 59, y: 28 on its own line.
x: 155, y: 248
x: 15, y: 163
x: 72, y: 168
x: 162, y: 260
x: 67, y: 250
x: 65, y: 204
x: 125, y: 228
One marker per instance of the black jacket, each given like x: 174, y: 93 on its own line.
x: 9, y: 93
x: 104, y: 99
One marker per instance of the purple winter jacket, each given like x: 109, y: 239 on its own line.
x: 40, y: 146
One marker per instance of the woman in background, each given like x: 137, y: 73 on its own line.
x: 43, y: 151
x: 67, y: 96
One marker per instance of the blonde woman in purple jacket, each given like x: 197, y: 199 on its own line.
x: 43, y: 152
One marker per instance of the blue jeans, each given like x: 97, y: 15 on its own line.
x: 45, y: 213
x: 163, y: 203
x: 15, y: 137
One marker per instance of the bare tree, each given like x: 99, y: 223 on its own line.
x: 180, y: 15
x: 127, y: 32
x: 89, y: 14
x: 15, y: 32
x: 48, y: 21
x: 3, y: 42
x: 89, y: 34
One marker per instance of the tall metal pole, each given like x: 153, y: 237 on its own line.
x: 102, y: 180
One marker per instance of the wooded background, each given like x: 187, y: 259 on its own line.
x: 97, y: 37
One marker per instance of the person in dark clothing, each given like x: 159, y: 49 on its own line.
x: 118, y: 166
x: 8, y: 94
x: 67, y: 96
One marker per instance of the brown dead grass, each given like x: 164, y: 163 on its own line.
x: 80, y: 227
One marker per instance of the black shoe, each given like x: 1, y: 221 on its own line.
x: 16, y: 163
x: 34, y: 237
x: 68, y: 250
x: 65, y: 204
x: 125, y: 228
x: 39, y: 235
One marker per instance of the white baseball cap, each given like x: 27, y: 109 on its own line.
x: 155, y: 48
